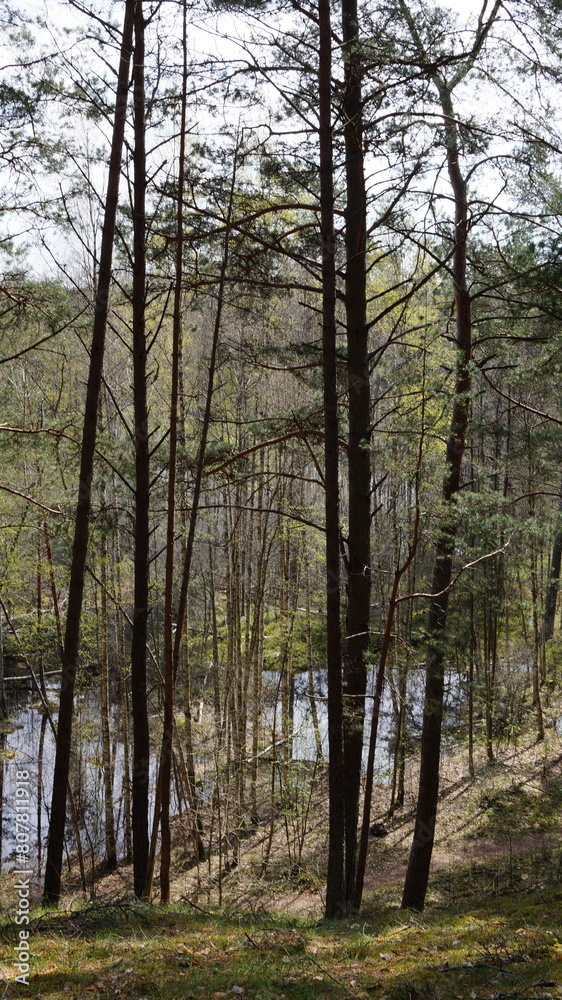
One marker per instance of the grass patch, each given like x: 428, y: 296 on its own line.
x: 507, y: 947
x: 492, y: 929
x: 518, y: 809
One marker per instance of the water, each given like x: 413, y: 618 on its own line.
x: 30, y: 747
x: 304, y: 743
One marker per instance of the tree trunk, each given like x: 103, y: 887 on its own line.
x: 40, y: 793
x: 110, y: 846
x: 335, y: 888
x: 2, y: 751
x: 359, y: 460
x: 141, y: 747
x: 537, y: 702
x: 39, y: 642
x: 3, y: 705
x: 470, y: 685
x: 422, y: 845
x: 255, y: 653
x: 81, y: 529
x: 219, y: 728
x: 385, y: 648
x: 54, y: 593
x: 553, y: 580
x: 124, y: 704
x: 310, y: 665
x: 182, y: 602
x: 167, y: 736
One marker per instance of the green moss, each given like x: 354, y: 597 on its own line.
x: 486, y: 946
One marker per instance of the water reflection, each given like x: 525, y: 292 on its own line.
x: 28, y: 744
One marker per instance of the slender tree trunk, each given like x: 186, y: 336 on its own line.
x: 384, y: 653
x: 54, y: 593
x: 141, y: 746
x: 359, y: 459
x: 537, y: 701
x: 255, y: 652
x: 186, y: 571
x: 39, y: 656
x: 40, y: 793
x: 2, y: 751
x: 124, y: 705
x: 385, y: 648
x: 310, y: 664
x: 167, y: 737
x: 189, y: 762
x: 335, y: 887
x: 472, y: 652
x: 401, y: 738
x: 285, y: 628
x: 81, y: 530
x: 3, y: 705
x: 553, y: 580
x: 424, y: 831
x: 110, y: 846
x: 215, y: 662
x: 238, y: 707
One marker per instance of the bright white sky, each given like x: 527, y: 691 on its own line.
x: 60, y: 17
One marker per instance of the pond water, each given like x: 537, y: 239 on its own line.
x: 304, y: 745
x: 29, y: 747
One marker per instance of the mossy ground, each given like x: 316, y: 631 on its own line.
x: 492, y: 929
x: 486, y: 944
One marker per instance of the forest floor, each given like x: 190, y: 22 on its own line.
x: 491, y: 930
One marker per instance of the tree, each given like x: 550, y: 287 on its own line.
x: 81, y: 531
x: 335, y: 889
x: 141, y: 744
x: 167, y: 739
x: 359, y: 433
x: 422, y: 844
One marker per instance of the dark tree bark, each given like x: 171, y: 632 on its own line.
x: 2, y: 751
x: 385, y: 648
x: 335, y: 889
x: 415, y: 886
x: 3, y: 705
x: 127, y: 811
x: 167, y: 738
x: 141, y: 749
x: 81, y: 529
x: 551, y: 598
x: 422, y: 845
x: 359, y: 460
x: 110, y: 842
x: 39, y: 826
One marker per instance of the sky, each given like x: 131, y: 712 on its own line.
x: 55, y: 20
